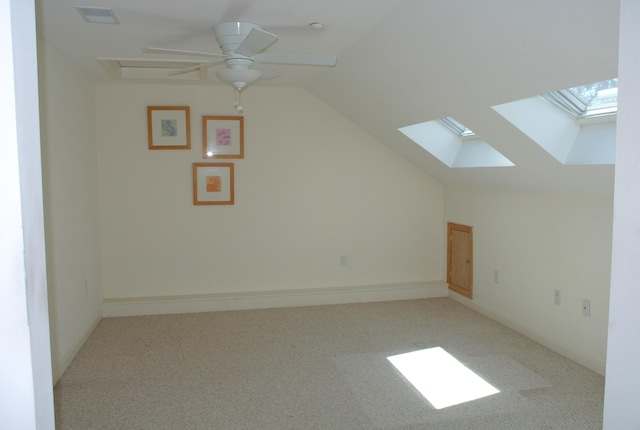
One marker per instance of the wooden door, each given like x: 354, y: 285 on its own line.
x: 460, y: 259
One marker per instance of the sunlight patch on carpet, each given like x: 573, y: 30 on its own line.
x: 441, y: 378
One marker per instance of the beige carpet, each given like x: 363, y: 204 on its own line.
x: 322, y: 367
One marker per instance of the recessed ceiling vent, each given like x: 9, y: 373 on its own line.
x: 98, y: 15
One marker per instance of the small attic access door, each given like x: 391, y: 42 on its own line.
x: 460, y: 259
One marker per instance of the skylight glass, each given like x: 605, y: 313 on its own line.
x: 456, y: 127
x: 598, y: 98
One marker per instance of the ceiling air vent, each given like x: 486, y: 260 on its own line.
x: 98, y: 15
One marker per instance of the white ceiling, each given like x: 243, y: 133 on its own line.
x: 400, y: 62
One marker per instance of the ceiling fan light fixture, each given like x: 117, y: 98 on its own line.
x: 239, y: 78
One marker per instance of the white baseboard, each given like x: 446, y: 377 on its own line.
x: 589, y: 362
x: 60, y: 367
x: 114, y: 307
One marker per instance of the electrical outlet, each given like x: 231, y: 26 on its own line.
x: 343, y: 261
x: 586, y: 307
x: 556, y: 297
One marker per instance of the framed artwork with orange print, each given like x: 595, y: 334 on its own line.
x: 213, y: 184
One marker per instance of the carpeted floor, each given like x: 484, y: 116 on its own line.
x: 321, y: 367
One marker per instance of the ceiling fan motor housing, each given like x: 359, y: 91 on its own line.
x: 239, y: 62
x: 231, y: 34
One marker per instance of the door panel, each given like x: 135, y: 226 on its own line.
x: 460, y: 259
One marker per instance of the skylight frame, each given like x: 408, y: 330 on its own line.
x: 457, y: 127
x: 454, y: 145
x: 579, y: 108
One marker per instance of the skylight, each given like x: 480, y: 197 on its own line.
x: 576, y: 126
x: 584, y: 101
x: 454, y: 144
x: 456, y: 127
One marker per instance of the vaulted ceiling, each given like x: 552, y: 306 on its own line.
x: 400, y: 62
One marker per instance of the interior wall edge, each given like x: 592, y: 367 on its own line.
x: 60, y: 367
x: 590, y: 363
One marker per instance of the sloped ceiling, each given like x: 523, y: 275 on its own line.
x: 399, y: 63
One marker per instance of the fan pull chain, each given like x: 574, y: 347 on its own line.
x: 236, y: 103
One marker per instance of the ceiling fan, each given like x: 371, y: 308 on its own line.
x: 241, y: 44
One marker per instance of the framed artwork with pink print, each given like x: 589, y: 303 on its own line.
x: 223, y: 136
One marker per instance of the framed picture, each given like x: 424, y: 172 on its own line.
x: 169, y: 127
x: 223, y: 136
x: 213, y: 183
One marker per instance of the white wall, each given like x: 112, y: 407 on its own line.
x: 26, y: 401
x: 539, y: 242
x: 622, y: 388
x: 312, y: 187
x: 71, y: 204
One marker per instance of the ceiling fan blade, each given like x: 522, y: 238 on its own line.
x: 267, y: 72
x: 181, y: 52
x: 196, y: 67
x: 256, y: 41
x: 304, y: 60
